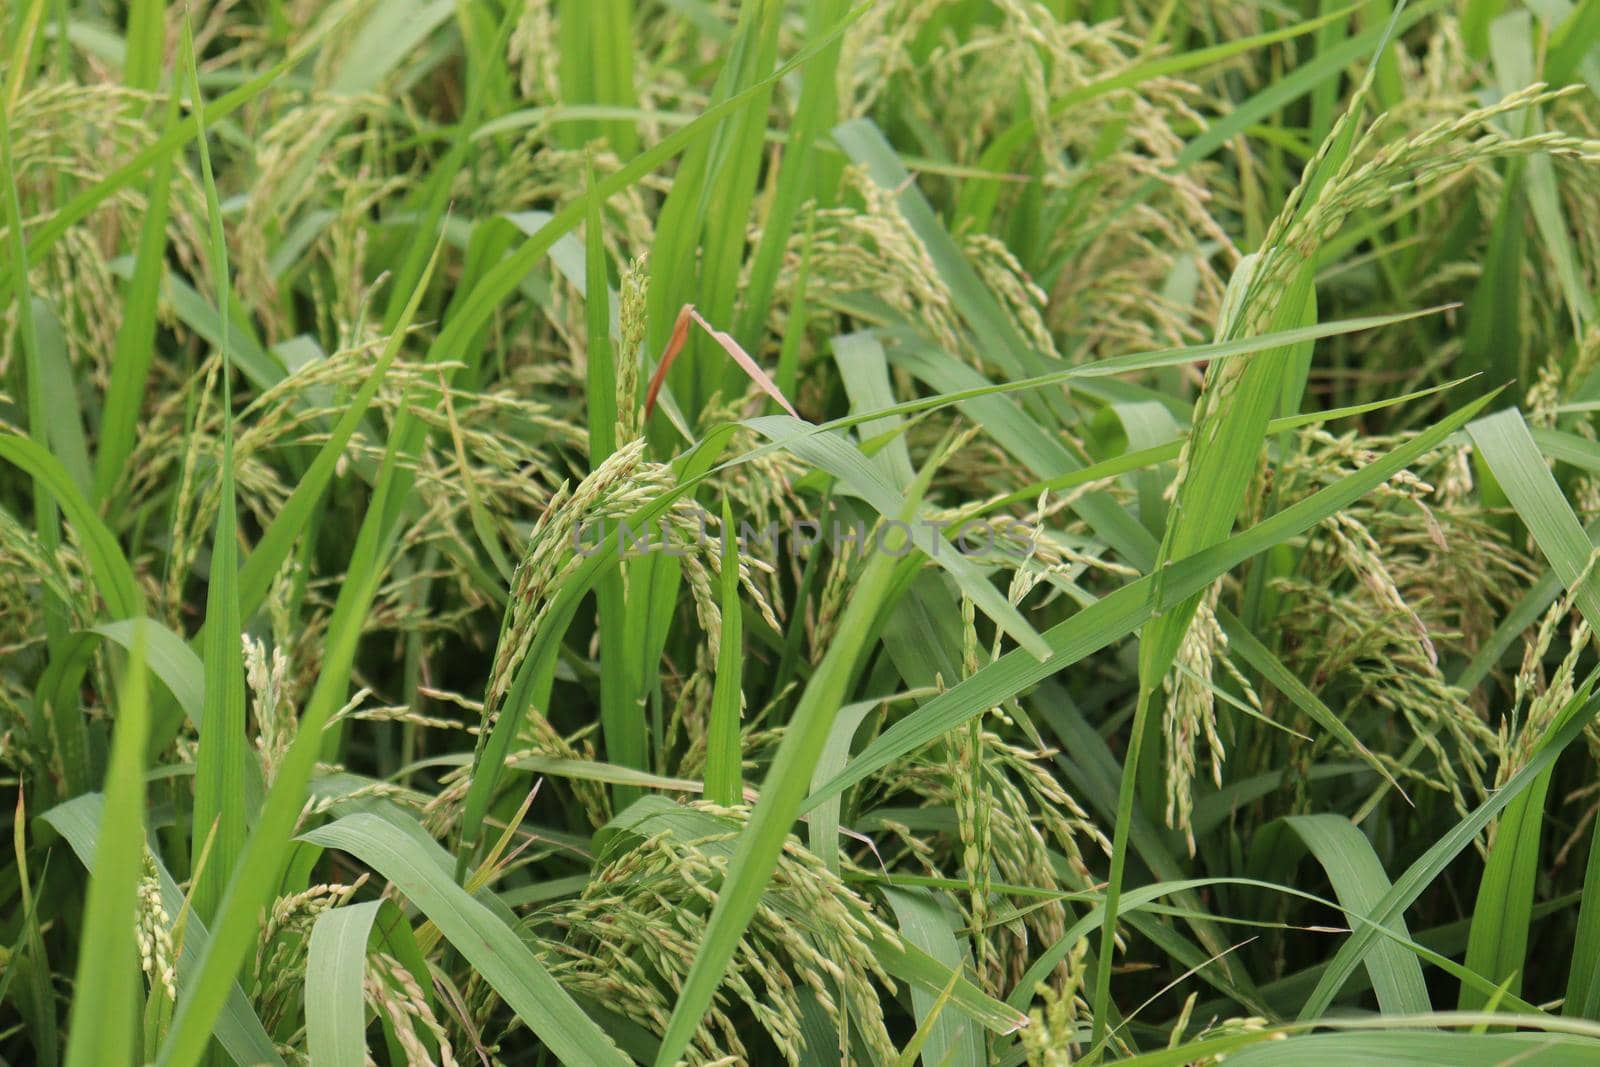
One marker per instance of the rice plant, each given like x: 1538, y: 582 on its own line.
x: 926, y: 531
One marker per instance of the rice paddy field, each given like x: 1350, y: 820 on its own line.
x: 955, y: 532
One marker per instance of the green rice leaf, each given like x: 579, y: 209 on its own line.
x: 949, y: 1039
x: 237, y: 1029
x: 336, y: 961
x: 136, y: 337
x: 1358, y: 878
x: 102, y: 1020
x: 782, y: 792
x: 220, y: 761
x: 1120, y: 613
x: 1405, y: 890
x: 419, y: 869
x: 1497, y: 947
x: 724, y: 756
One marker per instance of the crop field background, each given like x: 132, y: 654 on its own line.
x: 954, y: 532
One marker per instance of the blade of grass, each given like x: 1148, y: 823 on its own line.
x: 1506, y: 445
x: 1494, y: 339
x: 145, y: 39
x: 136, y: 336
x: 788, y: 368
x: 610, y: 773
x: 865, y: 369
x: 822, y: 824
x: 724, y: 773
x: 1386, y: 1049
x: 37, y: 1002
x: 1347, y: 857
x: 66, y: 716
x: 782, y: 792
x: 103, y: 1010
x: 1410, y: 885
x: 63, y: 418
x: 596, y: 67
x: 173, y: 661
x: 420, y: 869
x: 260, y: 866
x: 925, y: 1030
x: 912, y: 965
x: 430, y: 203
x: 378, y: 46
x: 1498, y: 942
x: 168, y: 657
x: 237, y: 1028
x: 1216, y: 470
x: 600, y: 356
x: 1573, y: 40
x: 1502, y: 912
x: 27, y: 936
x: 1117, y: 615
x: 941, y: 1038
x: 22, y: 47
x: 336, y: 1011
x: 1583, y: 991
x: 220, y: 760
x: 622, y: 723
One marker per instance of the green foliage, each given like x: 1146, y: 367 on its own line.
x: 798, y: 531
